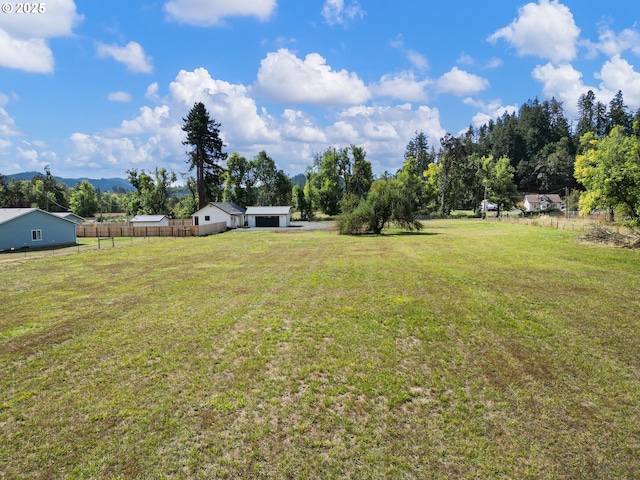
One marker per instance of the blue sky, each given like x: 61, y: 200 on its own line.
x: 93, y: 88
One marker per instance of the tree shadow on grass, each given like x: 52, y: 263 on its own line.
x: 395, y: 234
x: 408, y: 234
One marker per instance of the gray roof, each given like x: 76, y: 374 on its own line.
x: 228, y: 207
x: 148, y: 218
x: 69, y: 216
x: 7, y: 214
x: 278, y: 210
x: 539, y: 197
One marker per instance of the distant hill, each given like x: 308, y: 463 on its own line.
x: 103, y: 184
x: 299, y: 179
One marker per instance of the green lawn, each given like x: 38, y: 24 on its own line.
x: 471, y: 350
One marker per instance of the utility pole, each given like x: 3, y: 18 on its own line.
x: 47, y: 172
x: 484, y: 202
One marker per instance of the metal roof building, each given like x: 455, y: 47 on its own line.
x: 34, y: 228
x: 150, y: 221
x: 278, y: 216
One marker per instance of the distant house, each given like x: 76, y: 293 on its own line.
x: 541, y: 202
x: 70, y: 216
x: 34, y: 228
x: 269, y: 216
x: 230, y: 213
x: 150, y: 221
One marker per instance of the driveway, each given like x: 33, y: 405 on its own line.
x: 295, y: 227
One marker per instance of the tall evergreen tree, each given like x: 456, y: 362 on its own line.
x: 362, y: 173
x: 418, y: 148
x: 586, y: 114
x: 203, y: 134
x: 450, y: 162
x: 618, y: 115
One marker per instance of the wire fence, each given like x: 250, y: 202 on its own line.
x: 83, y: 245
x: 572, y: 223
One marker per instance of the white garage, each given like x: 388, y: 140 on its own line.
x: 269, y: 217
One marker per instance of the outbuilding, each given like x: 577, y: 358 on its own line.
x: 34, y: 228
x: 279, y: 216
x: 215, y: 212
x: 150, y: 221
x: 77, y: 219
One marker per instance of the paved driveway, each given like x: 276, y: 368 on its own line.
x: 295, y: 226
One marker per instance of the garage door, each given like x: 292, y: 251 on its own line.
x: 268, y: 221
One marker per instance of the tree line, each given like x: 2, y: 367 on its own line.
x: 535, y: 149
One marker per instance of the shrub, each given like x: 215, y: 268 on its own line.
x: 385, y: 203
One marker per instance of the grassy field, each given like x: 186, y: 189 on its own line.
x: 471, y: 350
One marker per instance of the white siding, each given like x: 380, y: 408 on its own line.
x: 285, y: 220
x: 215, y: 215
x: 162, y: 223
x: 150, y: 221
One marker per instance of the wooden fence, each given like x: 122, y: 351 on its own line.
x: 102, y: 231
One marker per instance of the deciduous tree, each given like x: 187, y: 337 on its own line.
x: 83, y: 199
x: 609, y: 169
x: 273, y: 186
x: 239, y: 181
x: 152, y: 193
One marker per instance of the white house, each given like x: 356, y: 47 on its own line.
x: 34, y: 228
x: 150, y: 221
x: 541, y: 202
x: 230, y: 213
x: 269, y: 216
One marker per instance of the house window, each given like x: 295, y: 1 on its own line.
x: 206, y: 218
x: 36, y: 235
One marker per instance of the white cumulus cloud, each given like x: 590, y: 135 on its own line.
x: 206, y: 13
x: 488, y: 111
x: 300, y: 127
x: 564, y: 83
x: 291, y: 136
x: 612, y: 43
x: 383, y: 131
x: 24, y: 38
x: 223, y: 100
x: 617, y: 74
x: 285, y: 78
x: 402, y: 86
x: 132, y: 55
x: 545, y: 29
x: 459, y: 82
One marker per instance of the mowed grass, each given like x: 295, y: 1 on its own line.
x: 471, y: 350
